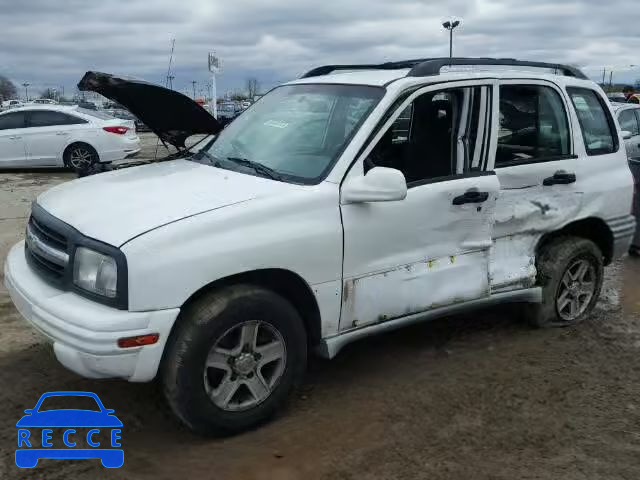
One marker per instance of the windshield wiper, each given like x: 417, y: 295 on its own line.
x: 257, y: 167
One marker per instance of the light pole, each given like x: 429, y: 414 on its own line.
x: 451, y: 25
x: 26, y: 90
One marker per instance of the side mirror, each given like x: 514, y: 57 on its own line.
x: 380, y: 184
x: 626, y: 135
x: 29, y: 411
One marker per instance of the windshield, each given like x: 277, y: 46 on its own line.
x: 298, y: 131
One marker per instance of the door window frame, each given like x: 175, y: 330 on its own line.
x: 405, y: 99
x: 611, y: 122
x: 79, y: 121
x: 525, y: 82
x: 24, y: 120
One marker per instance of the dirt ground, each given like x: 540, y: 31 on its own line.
x: 469, y: 397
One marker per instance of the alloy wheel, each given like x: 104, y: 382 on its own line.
x: 576, y: 290
x: 244, y: 366
x: 80, y: 157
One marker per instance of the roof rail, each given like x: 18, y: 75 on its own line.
x: 432, y: 66
x: 326, y: 69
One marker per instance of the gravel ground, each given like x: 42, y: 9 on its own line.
x: 477, y: 396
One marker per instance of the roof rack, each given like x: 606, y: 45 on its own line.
x: 327, y: 69
x: 431, y: 66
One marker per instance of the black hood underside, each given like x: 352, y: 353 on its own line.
x: 172, y: 116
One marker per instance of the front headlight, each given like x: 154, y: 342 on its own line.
x: 95, y: 272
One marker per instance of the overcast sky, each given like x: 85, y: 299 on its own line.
x: 53, y: 42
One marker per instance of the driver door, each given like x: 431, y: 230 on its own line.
x: 431, y: 249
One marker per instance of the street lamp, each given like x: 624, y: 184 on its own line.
x: 451, y: 25
x: 26, y: 90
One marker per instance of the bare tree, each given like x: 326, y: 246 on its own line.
x: 7, y: 89
x: 252, y: 86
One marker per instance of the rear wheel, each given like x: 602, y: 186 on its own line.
x: 80, y: 156
x: 233, y: 360
x: 570, y: 272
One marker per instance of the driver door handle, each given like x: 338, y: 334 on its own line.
x: 15, y: 137
x: 560, y: 178
x: 471, y: 196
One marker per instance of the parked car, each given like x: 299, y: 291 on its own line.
x: 56, y: 136
x: 11, y: 104
x: 306, y: 224
x: 227, y: 112
x: 617, y: 97
x: 628, y: 115
x: 43, y: 101
x: 88, y: 105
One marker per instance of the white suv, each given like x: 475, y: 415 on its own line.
x: 355, y: 200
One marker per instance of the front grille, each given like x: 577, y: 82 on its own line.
x: 47, y: 250
x: 47, y: 234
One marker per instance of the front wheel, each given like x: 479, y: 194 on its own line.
x: 570, y: 272
x: 234, y: 358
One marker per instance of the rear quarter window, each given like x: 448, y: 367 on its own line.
x: 597, y: 125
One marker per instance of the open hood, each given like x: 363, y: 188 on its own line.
x: 171, y: 115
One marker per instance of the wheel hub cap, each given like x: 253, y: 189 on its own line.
x: 244, y: 364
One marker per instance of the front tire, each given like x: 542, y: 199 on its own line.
x: 234, y: 358
x: 570, y: 272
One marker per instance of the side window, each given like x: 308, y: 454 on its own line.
x: 12, y: 120
x: 598, y: 129
x: 629, y: 121
x: 430, y: 137
x: 533, y: 125
x: 48, y: 118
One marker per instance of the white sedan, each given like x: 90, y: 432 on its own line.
x: 56, y: 136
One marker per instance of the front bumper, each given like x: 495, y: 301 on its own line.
x: 85, y: 333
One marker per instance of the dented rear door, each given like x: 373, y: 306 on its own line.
x: 536, y: 165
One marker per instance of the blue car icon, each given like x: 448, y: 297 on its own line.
x: 100, y: 418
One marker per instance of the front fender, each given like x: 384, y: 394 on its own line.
x: 300, y: 231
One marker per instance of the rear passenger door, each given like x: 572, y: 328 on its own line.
x: 48, y: 134
x: 536, y: 165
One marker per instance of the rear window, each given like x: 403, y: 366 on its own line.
x: 95, y: 113
x: 598, y: 129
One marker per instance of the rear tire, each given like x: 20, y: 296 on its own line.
x: 233, y: 359
x: 570, y: 272
x: 80, y: 157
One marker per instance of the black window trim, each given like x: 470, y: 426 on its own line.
x: 76, y: 239
x: 79, y: 121
x: 10, y: 113
x: 610, y: 121
x: 551, y: 158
